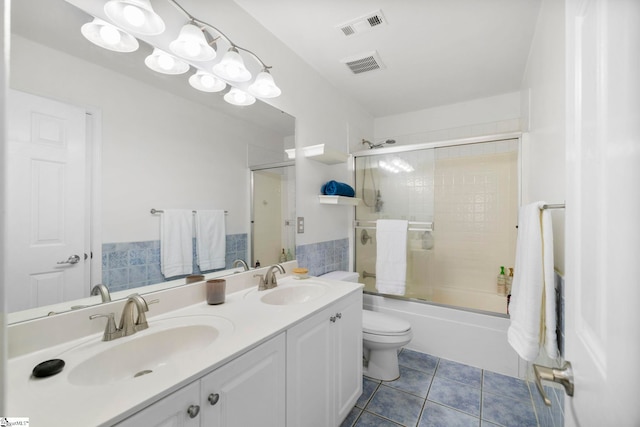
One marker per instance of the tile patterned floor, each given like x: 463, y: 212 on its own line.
x: 435, y: 392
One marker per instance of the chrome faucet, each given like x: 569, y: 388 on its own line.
x: 103, y: 291
x: 127, y: 325
x: 270, y: 277
x: 240, y: 262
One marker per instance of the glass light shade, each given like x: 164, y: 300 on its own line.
x: 136, y: 16
x: 192, y: 45
x: 232, y: 68
x: 206, y: 82
x: 264, y: 86
x: 164, y: 63
x: 239, y: 97
x: 108, y: 36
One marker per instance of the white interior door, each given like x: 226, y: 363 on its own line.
x: 46, y: 193
x: 603, y: 204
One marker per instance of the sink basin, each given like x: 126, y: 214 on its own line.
x: 165, y: 342
x: 293, y: 294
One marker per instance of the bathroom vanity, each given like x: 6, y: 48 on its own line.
x: 291, y: 355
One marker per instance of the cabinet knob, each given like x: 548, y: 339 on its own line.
x: 332, y: 319
x: 193, y: 411
x: 339, y: 315
x: 213, y: 398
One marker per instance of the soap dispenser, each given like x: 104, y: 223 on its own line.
x: 502, y: 282
x: 283, y: 257
x: 509, y: 281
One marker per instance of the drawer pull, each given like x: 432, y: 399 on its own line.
x: 193, y: 411
x: 213, y: 398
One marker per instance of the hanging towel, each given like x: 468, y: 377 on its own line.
x: 533, y: 303
x: 210, y: 239
x: 335, y: 188
x: 391, y: 256
x: 176, y: 242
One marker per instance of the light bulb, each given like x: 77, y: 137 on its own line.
x: 208, y: 81
x: 110, y: 34
x: 166, y: 62
x: 133, y: 15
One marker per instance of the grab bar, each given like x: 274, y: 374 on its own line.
x: 365, y: 275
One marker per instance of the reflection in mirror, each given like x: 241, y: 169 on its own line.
x: 121, y: 140
x: 273, y: 214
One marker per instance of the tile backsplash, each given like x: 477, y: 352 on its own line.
x: 129, y: 265
x: 323, y: 257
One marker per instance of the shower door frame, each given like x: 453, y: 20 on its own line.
x: 522, y: 142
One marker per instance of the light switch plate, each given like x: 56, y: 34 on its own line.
x: 300, y: 223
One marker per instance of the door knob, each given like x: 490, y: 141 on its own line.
x: 73, y: 259
x: 562, y: 375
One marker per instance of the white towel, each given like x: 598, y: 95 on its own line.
x: 176, y: 242
x: 533, y: 303
x: 210, y: 239
x: 391, y: 257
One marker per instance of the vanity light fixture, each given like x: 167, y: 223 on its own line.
x: 264, y: 86
x: 136, y: 16
x: 192, y: 45
x: 195, y: 44
x: 206, y: 82
x: 232, y: 67
x: 164, y: 63
x: 109, y: 36
x: 239, y: 97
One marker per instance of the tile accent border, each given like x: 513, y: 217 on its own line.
x: 130, y: 265
x: 323, y: 257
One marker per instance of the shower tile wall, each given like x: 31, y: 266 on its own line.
x: 324, y: 257
x: 132, y: 264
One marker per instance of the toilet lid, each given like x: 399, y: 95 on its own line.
x: 377, y: 323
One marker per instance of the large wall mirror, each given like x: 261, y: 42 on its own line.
x: 140, y: 141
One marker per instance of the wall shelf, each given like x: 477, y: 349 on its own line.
x: 321, y: 153
x: 339, y: 200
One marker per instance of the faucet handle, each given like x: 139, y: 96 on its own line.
x: 262, y: 285
x: 110, y: 331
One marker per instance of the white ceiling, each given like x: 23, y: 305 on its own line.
x: 436, y: 52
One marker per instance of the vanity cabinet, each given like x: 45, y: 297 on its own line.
x: 248, y: 391
x: 324, y: 365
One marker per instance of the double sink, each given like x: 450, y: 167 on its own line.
x: 171, y: 340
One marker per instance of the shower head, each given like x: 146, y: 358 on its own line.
x: 381, y: 144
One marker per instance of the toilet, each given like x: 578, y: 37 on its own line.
x: 382, y: 337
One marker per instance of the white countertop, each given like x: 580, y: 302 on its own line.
x: 55, y: 401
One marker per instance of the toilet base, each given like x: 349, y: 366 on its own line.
x: 382, y: 365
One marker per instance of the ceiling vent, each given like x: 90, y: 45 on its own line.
x: 362, y: 24
x: 364, y: 62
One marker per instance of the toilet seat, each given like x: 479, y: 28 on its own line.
x: 376, y: 323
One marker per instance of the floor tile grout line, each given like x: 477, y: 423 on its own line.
x: 424, y: 403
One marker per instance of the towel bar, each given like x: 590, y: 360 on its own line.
x: 413, y: 225
x: 159, y: 211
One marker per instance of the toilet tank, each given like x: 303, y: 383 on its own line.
x: 345, y: 276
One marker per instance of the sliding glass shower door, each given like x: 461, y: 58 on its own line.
x: 468, y: 193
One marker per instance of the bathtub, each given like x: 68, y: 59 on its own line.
x: 467, y: 336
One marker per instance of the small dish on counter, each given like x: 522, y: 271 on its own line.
x: 300, y: 273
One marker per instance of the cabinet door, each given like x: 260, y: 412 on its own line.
x: 248, y: 391
x: 171, y: 411
x: 310, y: 398
x: 348, y: 355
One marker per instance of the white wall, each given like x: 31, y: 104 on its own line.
x: 543, y: 106
x: 323, y: 116
x: 4, y: 77
x: 485, y: 116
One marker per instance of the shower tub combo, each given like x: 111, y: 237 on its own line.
x: 461, y: 199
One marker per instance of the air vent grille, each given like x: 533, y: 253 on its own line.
x: 362, y: 63
x: 362, y: 24
x: 348, y: 30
